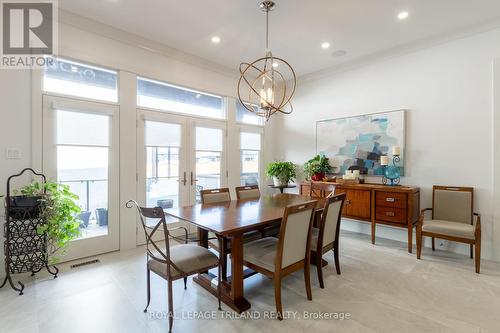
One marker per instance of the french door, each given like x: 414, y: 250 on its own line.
x: 80, y: 149
x: 177, y: 157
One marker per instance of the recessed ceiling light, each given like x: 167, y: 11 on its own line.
x: 325, y: 45
x: 215, y: 39
x: 339, y: 53
x: 275, y: 64
x: 403, y: 15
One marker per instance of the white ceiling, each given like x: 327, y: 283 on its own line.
x: 363, y: 28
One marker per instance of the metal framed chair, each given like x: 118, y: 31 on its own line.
x: 326, y: 236
x: 452, y: 219
x: 277, y: 258
x: 172, y: 263
x: 247, y: 192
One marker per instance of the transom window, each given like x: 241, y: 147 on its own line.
x: 167, y: 97
x: 246, y: 117
x: 76, y: 79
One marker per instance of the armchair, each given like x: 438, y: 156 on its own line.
x: 452, y: 219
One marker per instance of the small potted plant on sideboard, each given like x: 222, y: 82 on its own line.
x: 316, y: 168
x: 281, y: 172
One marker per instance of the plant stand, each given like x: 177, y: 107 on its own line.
x: 25, y: 250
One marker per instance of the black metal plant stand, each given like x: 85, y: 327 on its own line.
x: 25, y: 250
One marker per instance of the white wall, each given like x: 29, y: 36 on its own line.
x: 15, y: 130
x: 448, y: 90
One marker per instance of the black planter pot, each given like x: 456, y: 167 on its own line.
x: 25, y: 206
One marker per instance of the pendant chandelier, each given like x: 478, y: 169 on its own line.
x: 267, y: 84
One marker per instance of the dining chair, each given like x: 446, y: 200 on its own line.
x: 279, y: 257
x: 452, y: 219
x: 326, y: 236
x: 247, y: 192
x: 220, y: 195
x: 253, y: 192
x: 176, y: 262
x: 321, y: 190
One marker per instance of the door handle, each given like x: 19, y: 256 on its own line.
x: 192, y: 179
x: 184, y: 180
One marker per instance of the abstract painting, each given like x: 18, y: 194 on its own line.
x: 356, y: 143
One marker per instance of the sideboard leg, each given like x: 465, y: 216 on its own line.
x: 373, y: 232
x: 410, y: 238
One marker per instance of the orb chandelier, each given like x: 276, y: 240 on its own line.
x: 267, y: 84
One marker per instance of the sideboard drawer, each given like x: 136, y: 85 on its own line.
x: 390, y: 214
x: 390, y: 199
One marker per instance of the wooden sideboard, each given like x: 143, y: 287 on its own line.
x: 396, y: 206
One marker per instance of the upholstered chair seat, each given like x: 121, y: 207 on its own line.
x: 261, y: 252
x: 449, y: 228
x: 187, y: 258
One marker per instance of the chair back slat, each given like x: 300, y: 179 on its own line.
x: 154, y: 250
x: 295, y: 234
x: 454, y: 204
x: 247, y: 192
x: 330, y: 219
x: 215, y: 195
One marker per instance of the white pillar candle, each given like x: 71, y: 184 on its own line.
x: 396, y: 151
x: 384, y: 160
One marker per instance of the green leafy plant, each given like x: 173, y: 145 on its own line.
x: 284, y: 171
x: 318, y: 164
x: 60, y: 211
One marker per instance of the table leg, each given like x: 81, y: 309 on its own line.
x: 410, y: 237
x: 281, y: 189
x: 202, y: 237
x: 232, y: 289
x: 237, y: 273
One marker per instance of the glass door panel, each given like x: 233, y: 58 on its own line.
x: 208, y: 159
x: 163, y: 141
x: 85, y: 170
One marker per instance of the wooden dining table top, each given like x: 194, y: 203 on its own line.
x: 239, y: 216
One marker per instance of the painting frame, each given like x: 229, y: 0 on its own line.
x: 401, y: 139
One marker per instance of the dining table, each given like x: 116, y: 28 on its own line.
x: 230, y: 220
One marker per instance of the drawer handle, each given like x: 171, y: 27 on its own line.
x: 390, y: 199
x: 390, y: 214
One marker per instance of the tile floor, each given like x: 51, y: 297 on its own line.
x: 382, y: 288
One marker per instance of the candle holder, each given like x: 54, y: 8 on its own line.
x: 391, y: 172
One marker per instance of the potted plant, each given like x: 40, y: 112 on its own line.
x: 316, y: 168
x: 281, y: 172
x: 59, y: 209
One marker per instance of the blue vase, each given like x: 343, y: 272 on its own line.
x: 392, y: 173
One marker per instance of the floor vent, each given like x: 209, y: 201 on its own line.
x: 85, y: 263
